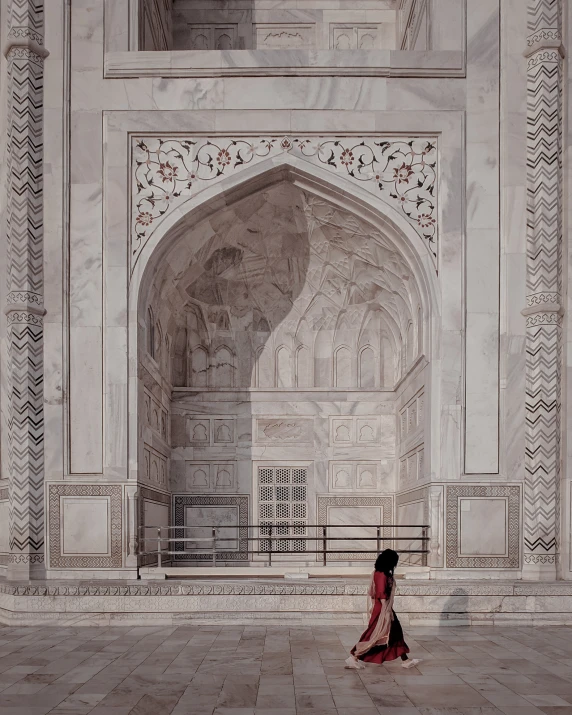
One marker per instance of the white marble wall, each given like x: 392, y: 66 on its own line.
x: 473, y: 385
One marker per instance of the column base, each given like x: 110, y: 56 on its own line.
x: 29, y: 569
x: 538, y: 570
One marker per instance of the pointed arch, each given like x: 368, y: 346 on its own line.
x: 344, y: 372
x: 368, y: 373
x: 199, y: 367
x: 283, y: 367
x: 222, y: 367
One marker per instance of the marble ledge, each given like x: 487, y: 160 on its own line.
x: 263, y: 587
x: 242, y: 63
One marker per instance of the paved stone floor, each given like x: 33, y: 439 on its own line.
x: 277, y: 670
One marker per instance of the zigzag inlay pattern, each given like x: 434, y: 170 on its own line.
x: 544, y: 288
x: 24, y: 224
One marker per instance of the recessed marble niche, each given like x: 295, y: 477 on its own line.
x: 288, y: 320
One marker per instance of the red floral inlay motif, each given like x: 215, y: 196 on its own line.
x: 404, y: 170
x: 347, y: 157
x: 224, y: 157
x: 167, y: 171
x: 145, y: 218
x: 425, y: 220
x: 403, y: 173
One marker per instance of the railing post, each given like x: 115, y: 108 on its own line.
x: 424, y: 546
x: 214, y: 545
x: 324, y: 545
x: 159, y: 547
x: 379, y: 539
x: 270, y: 545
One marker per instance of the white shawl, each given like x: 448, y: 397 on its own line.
x: 380, y: 635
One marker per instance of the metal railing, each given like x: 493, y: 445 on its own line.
x: 267, y: 537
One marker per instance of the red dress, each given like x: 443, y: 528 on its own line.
x: 397, y: 645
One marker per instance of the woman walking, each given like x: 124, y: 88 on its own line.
x: 383, y: 638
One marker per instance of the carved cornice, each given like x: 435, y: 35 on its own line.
x: 405, y: 588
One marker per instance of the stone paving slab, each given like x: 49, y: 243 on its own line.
x: 280, y: 670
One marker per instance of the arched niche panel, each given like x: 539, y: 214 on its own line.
x: 344, y: 367
x: 284, y: 367
x: 222, y: 368
x: 304, y: 377
x: 199, y: 367
x: 368, y: 368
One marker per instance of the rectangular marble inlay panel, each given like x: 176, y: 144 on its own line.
x: 483, y: 527
x: 76, y: 513
x: 275, y: 36
x: 204, y: 518
x: 79, y: 495
x: 284, y: 430
x: 206, y: 511
x: 355, y: 510
x: 490, y: 512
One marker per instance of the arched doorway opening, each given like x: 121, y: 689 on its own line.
x: 283, y: 358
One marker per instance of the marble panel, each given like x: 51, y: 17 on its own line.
x: 368, y: 511
x: 483, y: 527
x: 359, y: 523
x: 4, y: 531
x: 342, y: 431
x: 86, y: 379
x: 155, y: 516
x: 203, y: 519
x: 499, y: 506
x: 76, y: 512
x: 198, y: 477
x: 205, y: 512
x: 412, y: 512
x: 198, y: 430
x: 368, y: 430
x: 107, y: 499
x: 224, y: 432
x: 283, y: 431
x: 278, y: 36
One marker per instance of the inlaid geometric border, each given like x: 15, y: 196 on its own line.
x: 146, y: 494
x: 57, y: 559
x: 181, y: 501
x: 454, y: 494
x: 325, y: 502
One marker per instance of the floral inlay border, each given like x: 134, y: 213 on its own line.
x: 401, y: 171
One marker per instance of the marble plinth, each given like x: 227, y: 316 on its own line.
x: 278, y: 601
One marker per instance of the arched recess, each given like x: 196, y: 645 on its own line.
x: 405, y: 251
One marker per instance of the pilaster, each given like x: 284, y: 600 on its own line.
x: 543, y: 310
x: 25, y: 54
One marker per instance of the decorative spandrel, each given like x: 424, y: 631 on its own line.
x: 401, y: 171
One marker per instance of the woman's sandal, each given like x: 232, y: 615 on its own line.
x: 411, y: 663
x: 354, y: 664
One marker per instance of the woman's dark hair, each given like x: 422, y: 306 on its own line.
x: 387, y: 561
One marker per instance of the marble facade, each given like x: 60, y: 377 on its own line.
x: 294, y: 261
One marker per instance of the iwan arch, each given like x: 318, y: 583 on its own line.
x: 286, y: 289
x: 294, y: 311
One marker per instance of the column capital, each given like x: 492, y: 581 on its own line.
x: 25, y: 39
